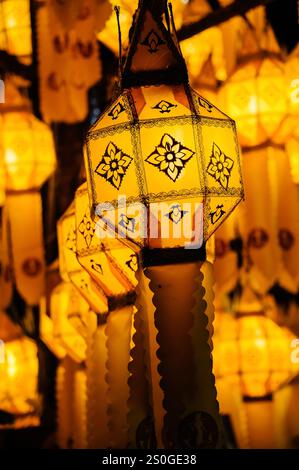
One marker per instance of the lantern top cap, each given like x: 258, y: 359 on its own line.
x: 154, y: 56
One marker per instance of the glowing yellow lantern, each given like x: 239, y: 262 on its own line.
x: 15, y: 28
x: 19, y: 374
x: 2, y: 180
x: 262, y: 97
x: 252, y: 358
x: 29, y: 158
x: 163, y: 172
x: 162, y: 143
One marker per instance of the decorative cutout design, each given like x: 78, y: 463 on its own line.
x: 32, y: 267
x: 153, y: 41
x: 217, y: 214
x: 113, y: 165
x: 128, y: 223
x: 87, y: 230
x: 170, y: 157
x: 96, y: 267
x: 132, y: 263
x: 286, y: 239
x: 116, y: 111
x: 220, y: 166
x: 71, y: 240
x: 198, y: 430
x: 258, y: 238
x: 164, y: 106
x: 205, y: 104
x: 176, y: 214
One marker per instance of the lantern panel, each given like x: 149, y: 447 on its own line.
x: 107, y: 261
x: 70, y: 268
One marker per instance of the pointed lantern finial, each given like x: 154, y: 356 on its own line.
x: 153, y: 57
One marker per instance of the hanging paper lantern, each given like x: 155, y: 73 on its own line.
x: 161, y: 159
x: 183, y: 151
x: 252, y: 357
x: 29, y: 157
x: 260, y: 95
x: 19, y: 372
x: 15, y: 28
x: 122, y: 404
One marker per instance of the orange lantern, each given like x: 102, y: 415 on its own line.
x: 29, y: 158
x: 15, y: 28
x: 260, y: 95
x: 19, y: 372
x: 252, y: 358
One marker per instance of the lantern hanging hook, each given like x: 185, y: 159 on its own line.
x: 117, y: 13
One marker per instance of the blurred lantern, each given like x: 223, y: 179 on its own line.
x: 15, y: 28
x: 204, y: 57
x: 268, y: 224
x: 69, y: 62
x: 68, y: 308
x: 252, y: 356
x: 29, y: 158
x: 163, y: 172
x: 19, y: 373
x: 261, y: 95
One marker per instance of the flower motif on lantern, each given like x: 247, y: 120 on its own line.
x: 86, y: 228
x: 113, y: 165
x: 116, y: 111
x: 220, y: 166
x: 170, y: 157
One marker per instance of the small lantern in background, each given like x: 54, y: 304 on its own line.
x: 29, y: 158
x: 260, y: 95
x: 15, y: 28
x: 252, y: 356
x: 19, y: 374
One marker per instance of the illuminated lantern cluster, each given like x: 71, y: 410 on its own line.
x: 262, y: 94
x: 15, y: 28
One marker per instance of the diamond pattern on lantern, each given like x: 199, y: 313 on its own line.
x: 220, y: 166
x: 113, y: 165
x: 86, y: 228
x: 170, y: 157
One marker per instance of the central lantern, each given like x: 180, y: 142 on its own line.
x: 163, y: 172
x: 161, y: 142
